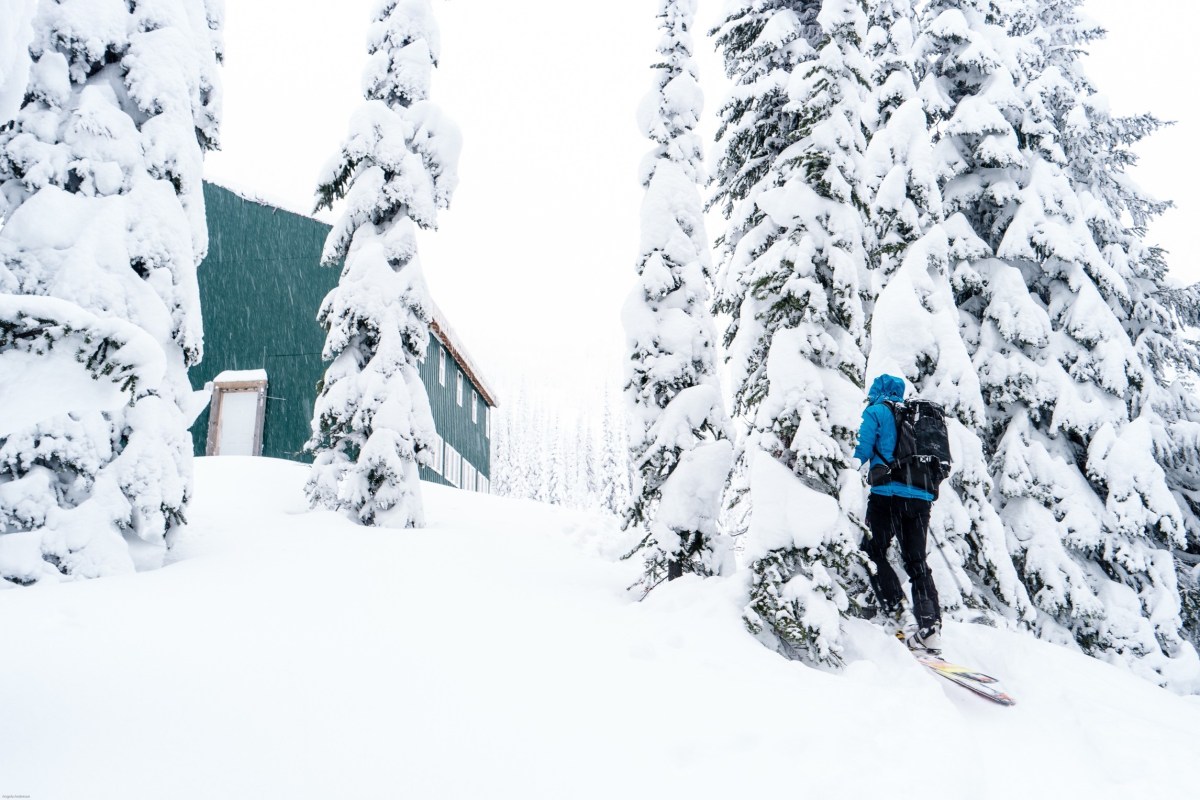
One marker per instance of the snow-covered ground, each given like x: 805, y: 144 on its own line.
x: 289, y: 654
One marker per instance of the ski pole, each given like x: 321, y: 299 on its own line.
x: 962, y: 592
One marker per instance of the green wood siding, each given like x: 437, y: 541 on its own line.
x: 260, y: 288
x: 454, y: 422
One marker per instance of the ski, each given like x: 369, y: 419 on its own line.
x: 936, y: 662
x: 973, y: 680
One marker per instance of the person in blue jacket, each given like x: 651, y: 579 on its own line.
x: 897, y: 511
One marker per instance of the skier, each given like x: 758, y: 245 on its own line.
x: 897, y: 511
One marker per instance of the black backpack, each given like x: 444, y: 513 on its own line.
x: 922, y: 456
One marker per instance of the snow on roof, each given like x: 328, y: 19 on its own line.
x: 241, y: 376
x: 256, y: 196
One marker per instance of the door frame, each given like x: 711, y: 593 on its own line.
x: 223, y: 386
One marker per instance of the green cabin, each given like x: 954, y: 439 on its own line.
x: 260, y: 288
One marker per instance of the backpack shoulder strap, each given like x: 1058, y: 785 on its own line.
x: 891, y: 406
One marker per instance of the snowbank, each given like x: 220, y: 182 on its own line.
x: 289, y: 654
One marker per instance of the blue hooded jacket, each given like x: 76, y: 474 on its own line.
x: 877, y: 435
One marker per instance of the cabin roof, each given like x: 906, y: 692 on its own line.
x: 262, y: 199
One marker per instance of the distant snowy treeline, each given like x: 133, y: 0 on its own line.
x: 563, y: 446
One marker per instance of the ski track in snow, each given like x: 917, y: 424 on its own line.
x: 290, y: 654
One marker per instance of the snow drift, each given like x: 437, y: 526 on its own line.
x: 291, y: 654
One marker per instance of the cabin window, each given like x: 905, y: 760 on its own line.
x: 474, y: 407
x: 469, y: 474
x: 441, y: 367
x: 460, y: 389
x: 454, y: 461
x: 437, y: 449
x: 236, y: 412
x: 485, y: 486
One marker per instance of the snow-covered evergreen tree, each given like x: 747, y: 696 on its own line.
x: 15, y: 36
x: 615, y: 492
x: 586, y: 478
x: 794, y: 284
x: 519, y: 441
x: 681, y: 450
x: 760, y: 43
x: 555, y: 478
x: 915, y: 325
x: 1096, y: 148
x: 372, y: 425
x: 101, y: 193
x: 1048, y: 303
x: 905, y: 200
x: 508, y: 477
x: 571, y: 444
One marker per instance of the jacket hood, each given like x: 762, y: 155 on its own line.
x: 886, y: 387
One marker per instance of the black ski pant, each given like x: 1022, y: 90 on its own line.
x: 906, y: 519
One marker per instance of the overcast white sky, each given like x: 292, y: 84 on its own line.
x: 534, y: 259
